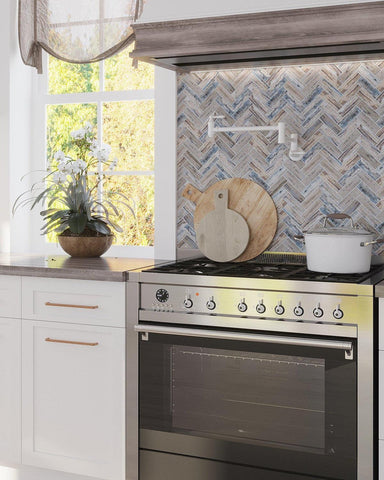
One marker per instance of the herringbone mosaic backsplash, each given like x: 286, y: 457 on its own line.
x: 338, y: 112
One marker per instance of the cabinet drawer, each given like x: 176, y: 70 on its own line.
x: 10, y: 296
x: 74, y: 301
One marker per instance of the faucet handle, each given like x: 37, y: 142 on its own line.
x: 211, y: 124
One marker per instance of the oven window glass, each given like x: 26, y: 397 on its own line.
x: 284, y: 407
x: 248, y: 396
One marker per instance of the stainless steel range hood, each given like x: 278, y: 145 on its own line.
x: 311, y: 35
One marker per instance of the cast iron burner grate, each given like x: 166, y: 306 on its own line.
x: 268, y: 265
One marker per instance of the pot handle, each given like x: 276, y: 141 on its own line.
x: 338, y: 216
x: 300, y: 238
x: 374, y: 242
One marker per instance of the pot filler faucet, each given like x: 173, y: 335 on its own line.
x: 295, y: 152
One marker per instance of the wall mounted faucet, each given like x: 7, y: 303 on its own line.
x: 295, y: 152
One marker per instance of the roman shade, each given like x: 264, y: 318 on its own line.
x: 77, y: 31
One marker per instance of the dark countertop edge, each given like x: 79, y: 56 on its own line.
x: 94, y: 275
x: 379, y: 290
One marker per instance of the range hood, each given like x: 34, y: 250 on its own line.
x: 309, y: 35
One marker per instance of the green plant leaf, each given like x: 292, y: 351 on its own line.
x: 77, y: 223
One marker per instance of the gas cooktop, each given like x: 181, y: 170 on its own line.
x: 268, y: 265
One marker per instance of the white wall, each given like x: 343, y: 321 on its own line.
x: 159, y: 10
x: 15, y: 125
x: 4, y: 125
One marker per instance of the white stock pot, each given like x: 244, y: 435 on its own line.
x: 338, y: 249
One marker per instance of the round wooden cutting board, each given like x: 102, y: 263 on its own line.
x: 248, y: 199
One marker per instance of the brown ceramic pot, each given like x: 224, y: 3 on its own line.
x: 85, y: 246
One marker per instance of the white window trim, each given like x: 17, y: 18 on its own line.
x: 165, y: 164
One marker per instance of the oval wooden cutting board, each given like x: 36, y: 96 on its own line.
x: 247, y: 198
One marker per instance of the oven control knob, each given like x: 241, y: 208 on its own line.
x: 188, y: 302
x: 318, y: 312
x: 242, y: 306
x: 162, y: 295
x: 298, y: 311
x: 279, y: 309
x: 260, y: 307
x: 338, y: 313
x: 211, y: 304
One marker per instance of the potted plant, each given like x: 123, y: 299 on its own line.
x: 70, y: 193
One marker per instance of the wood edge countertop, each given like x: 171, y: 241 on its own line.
x: 109, y: 269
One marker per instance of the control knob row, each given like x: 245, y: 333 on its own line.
x: 162, y: 296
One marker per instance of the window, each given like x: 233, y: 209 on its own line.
x: 119, y: 101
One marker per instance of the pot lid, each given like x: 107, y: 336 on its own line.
x: 326, y: 229
x: 338, y: 231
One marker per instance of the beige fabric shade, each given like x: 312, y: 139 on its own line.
x: 77, y: 31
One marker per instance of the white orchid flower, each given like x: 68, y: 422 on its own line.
x: 59, y: 156
x: 59, y: 177
x: 88, y: 127
x: 78, y: 134
x: 81, y: 163
x: 102, y: 153
x: 64, y: 167
x: 78, y: 166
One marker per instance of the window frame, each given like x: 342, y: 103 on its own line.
x: 164, y: 96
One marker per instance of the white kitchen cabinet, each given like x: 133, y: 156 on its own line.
x: 10, y: 392
x: 10, y: 296
x: 76, y: 301
x: 73, y: 398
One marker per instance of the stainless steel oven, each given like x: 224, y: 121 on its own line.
x: 262, y: 403
x: 250, y: 378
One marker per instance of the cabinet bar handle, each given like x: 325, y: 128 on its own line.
x: 67, y: 305
x: 54, y: 340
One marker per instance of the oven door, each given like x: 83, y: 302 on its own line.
x: 282, y: 407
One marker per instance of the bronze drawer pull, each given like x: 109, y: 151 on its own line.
x: 70, y: 342
x: 67, y: 305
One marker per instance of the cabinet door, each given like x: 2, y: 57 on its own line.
x: 73, y: 398
x: 10, y: 378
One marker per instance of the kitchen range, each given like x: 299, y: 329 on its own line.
x: 261, y: 369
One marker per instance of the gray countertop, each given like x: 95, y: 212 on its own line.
x: 110, y: 269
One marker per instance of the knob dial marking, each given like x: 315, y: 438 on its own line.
x: 162, y: 295
x: 318, y: 312
x: 279, y: 309
x: 260, y: 307
x: 211, y: 304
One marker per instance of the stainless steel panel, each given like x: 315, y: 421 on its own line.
x: 164, y: 466
x: 132, y: 384
x: 227, y: 300
x: 246, y: 337
x: 262, y: 324
x: 254, y: 283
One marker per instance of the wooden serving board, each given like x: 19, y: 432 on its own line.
x: 223, y: 234
x: 248, y: 199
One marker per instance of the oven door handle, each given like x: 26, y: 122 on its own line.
x: 246, y: 337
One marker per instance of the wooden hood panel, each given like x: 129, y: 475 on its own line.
x: 308, y: 35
